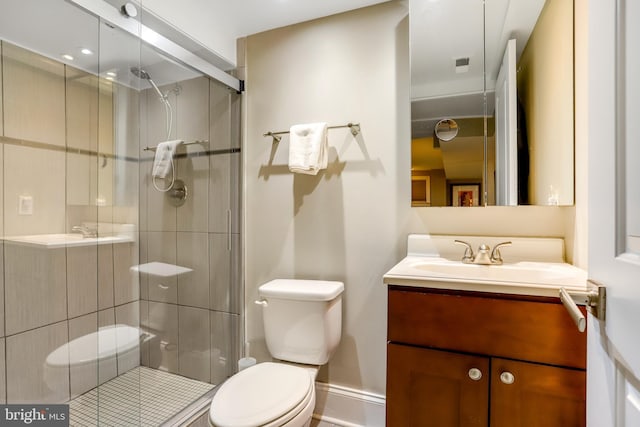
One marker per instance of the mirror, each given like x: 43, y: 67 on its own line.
x: 514, y: 140
x: 446, y: 129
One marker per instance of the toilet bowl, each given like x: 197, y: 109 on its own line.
x: 302, y: 321
x: 268, y: 395
x: 98, y: 352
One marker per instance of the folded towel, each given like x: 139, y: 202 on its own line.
x: 308, y: 151
x: 163, y: 161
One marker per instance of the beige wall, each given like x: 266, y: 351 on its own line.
x: 350, y: 222
x: 346, y: 223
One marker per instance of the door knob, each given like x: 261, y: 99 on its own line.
x: 507, y: 377
x: 475, y: 374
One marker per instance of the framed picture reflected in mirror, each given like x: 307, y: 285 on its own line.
x: 465, y: 195
x: 420, y: 191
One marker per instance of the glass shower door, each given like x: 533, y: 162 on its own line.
x: 121, y: 300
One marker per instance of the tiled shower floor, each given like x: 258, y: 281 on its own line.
x: 141, y: 397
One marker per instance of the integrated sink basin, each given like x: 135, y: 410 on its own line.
x: 532, y: 266
x: 53, y: 241
x: 523, y: 278
x: 521, y: 272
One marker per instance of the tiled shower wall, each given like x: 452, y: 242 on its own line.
x: 71, y: 142
x: 194, y: 317
x: 58, y: 147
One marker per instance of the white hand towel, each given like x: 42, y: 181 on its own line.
x: 163, y: 161
x: 308, y: 150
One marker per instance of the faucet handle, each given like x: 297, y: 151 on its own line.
x: 496, y: 257
x: 468, y: 252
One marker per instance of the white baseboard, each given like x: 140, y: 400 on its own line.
x: 347, y: 407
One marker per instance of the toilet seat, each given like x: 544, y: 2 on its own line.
x: 108, y: 342
x: 267, y: 394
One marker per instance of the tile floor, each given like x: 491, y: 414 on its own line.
x: 140, y: 397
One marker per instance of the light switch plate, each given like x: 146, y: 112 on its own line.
x: 25, y: 205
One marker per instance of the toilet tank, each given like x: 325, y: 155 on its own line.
x: 302, y: 319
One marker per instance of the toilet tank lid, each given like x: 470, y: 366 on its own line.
x: 304, y: 290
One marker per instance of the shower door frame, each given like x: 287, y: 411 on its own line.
x: 110, y: 14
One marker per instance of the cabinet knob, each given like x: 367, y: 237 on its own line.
x: 475, y: 374
x: 507, y: 378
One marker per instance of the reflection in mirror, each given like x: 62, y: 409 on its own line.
x: 446, y: 130
x: 527, y: 153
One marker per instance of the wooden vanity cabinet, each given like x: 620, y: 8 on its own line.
x: 458, y: 358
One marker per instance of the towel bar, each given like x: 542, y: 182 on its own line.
x: 204, y: 141
x: 355, y: 129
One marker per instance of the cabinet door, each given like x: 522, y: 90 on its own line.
x: 531, y: 395
x: 434, y: 388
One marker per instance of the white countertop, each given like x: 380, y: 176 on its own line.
x: 482, y: 278
x: 532, y: 266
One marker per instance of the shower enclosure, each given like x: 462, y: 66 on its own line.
x: 116, y: 297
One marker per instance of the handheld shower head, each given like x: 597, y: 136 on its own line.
x: 142, y: 74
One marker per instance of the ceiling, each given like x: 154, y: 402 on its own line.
x: 246, y: 17
x: 218, y: 24
x: 63, y: 28
x: 56, y: 27
x: 442, y: 31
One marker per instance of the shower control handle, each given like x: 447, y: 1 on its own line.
x: 178, y: 193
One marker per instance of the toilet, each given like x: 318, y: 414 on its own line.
x: 302, y: 325
x: 101, y: 352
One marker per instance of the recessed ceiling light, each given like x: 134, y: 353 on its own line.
x: 67, y: 57
x: 109, y: 78
x: 111, y: 73
x: 86, y: 51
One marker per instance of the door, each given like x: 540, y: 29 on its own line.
x: 613, y: 368
x: 506, y: 129
x: 527, y: 394
x: 432, y: 388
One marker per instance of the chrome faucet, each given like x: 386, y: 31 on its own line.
x: 468, y: 255
x: 483, y: 257
x: 86, y: 231
x: 496, y: 257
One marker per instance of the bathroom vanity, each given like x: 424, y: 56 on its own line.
x: 469, y: 346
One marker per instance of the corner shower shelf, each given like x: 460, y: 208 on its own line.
x: 160, y: 269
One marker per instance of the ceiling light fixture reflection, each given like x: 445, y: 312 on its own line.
x: 109, y: 78
x: 86, y: 51
x: 111, y: 74
x: 67, y: 57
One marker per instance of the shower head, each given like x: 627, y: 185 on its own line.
x: 142, y: 74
